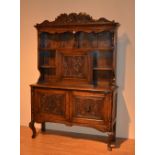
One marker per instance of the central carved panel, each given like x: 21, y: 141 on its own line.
x: 74, y: 66
x: 88, y: 107
x: 52, y: 103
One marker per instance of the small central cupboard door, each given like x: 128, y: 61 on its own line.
x: 89, y: 107
x: 50, y: 105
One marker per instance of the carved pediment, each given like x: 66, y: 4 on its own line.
x: 74, y: 18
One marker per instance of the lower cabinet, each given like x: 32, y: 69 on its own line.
x: 72, y: 107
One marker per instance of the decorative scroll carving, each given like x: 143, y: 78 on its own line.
x: 73, y: 66
x: 88, y: 107
x: 52, y: 103
x: 74, y: 18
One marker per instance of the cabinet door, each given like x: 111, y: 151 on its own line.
x: 91, y: 108
x: 50, y: 105
x: 75, y: 66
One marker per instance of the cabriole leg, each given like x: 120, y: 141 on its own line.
x: 31, y: 125
x: 114, y: 133
x: 111, y: 138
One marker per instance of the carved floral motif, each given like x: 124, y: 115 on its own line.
x: 88, y: 107
x: 74, y: 18
x: 73, y: 66
x: 52, y: 103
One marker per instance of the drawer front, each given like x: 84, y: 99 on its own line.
x: 50, y: 104
x: 90, y: 107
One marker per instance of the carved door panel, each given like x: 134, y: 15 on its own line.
x: 75, y: 66
x: 90, y: 108
x: 50, y: 105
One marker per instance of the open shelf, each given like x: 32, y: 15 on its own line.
x: 79, y: 39
x: 46, y: 66
x: 47, y: 59
x: 78, y: 49
x: 102, y: 68
x: 47, y: 49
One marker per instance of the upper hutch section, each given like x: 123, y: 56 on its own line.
x: 75, y: 48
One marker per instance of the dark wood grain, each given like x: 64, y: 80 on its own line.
x: 77, y: 65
